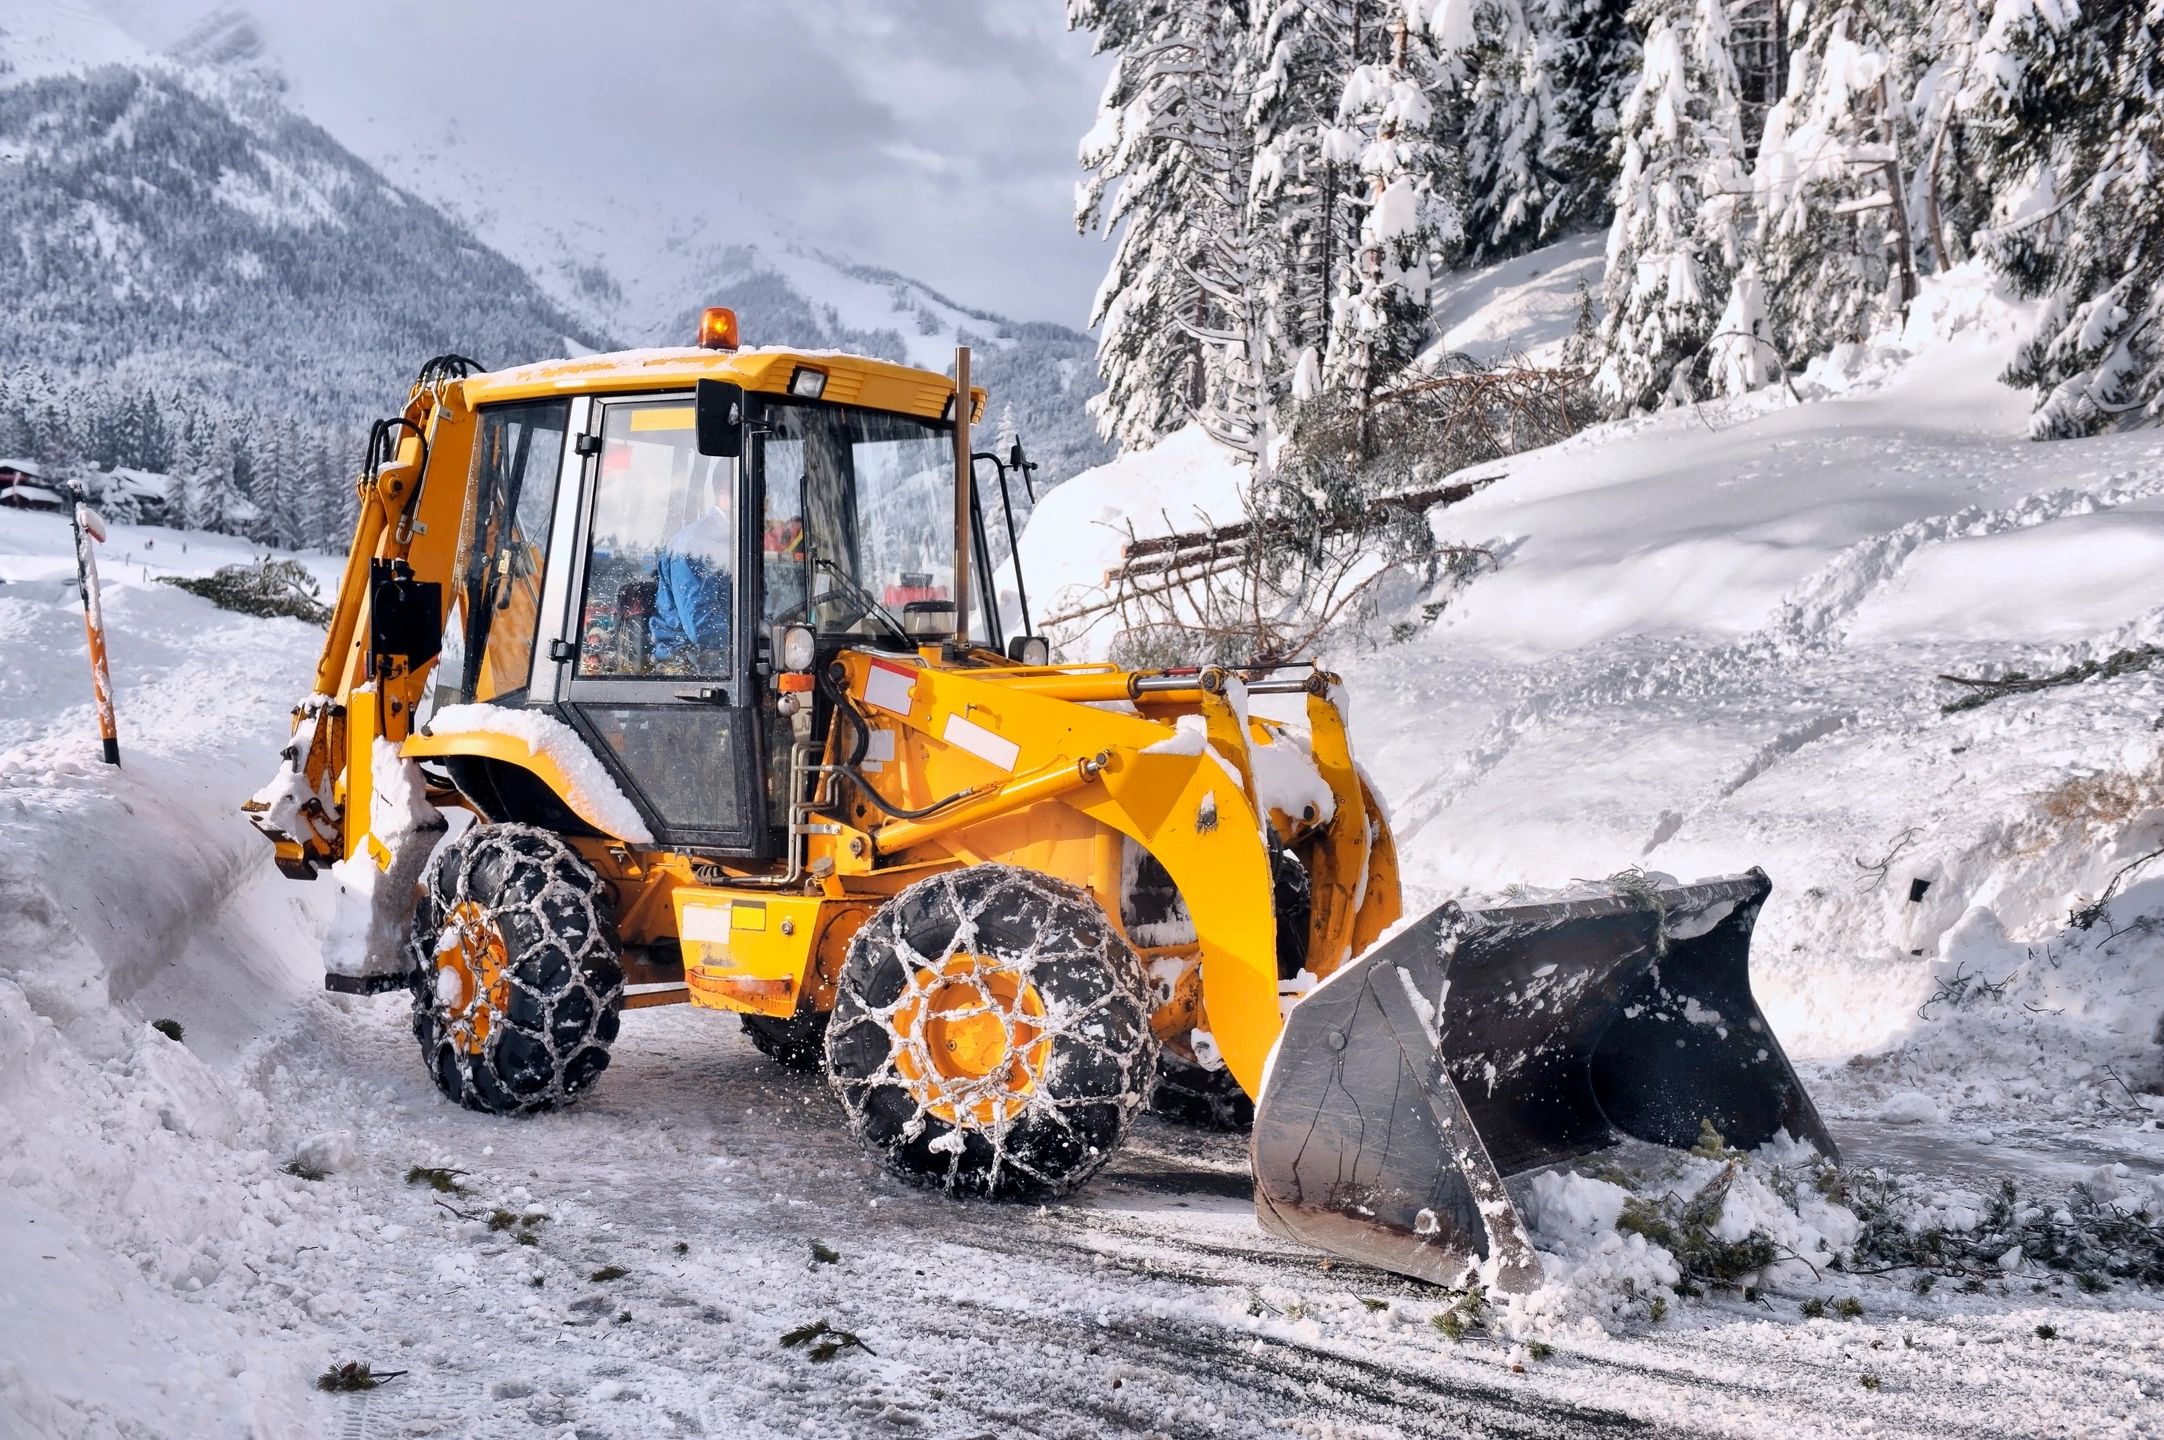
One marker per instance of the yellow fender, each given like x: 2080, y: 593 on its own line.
x: 511, y: 750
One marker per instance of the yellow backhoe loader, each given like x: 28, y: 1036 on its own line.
x: 709, y: 647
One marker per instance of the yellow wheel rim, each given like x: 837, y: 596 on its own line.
x: 471, y: 960
x: 972, y: 1039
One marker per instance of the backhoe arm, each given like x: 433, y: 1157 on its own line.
x: 411, y: 505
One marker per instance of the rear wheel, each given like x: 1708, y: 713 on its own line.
x: 1197, y: 1095
x: 516, y: 984
x: 991, y: 1034
x: 799, y: 1042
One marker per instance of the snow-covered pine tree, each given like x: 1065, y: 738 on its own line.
x: 1300, y: 211
x: 1510, y: 110
x: 1170, y: 158
x: 2089, y: 94
x: 219, y: 504
x: 1677, y: 238
x: 1946, y: 85
x: 116, y: 500
x: 1548, y: 80
x: 1832, y: 185
x: 1391, y: 118
x: 181, y: 499
x: 320, y: 511
x: 1588, y: 56
x: 275, y: 491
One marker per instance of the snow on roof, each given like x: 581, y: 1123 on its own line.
x: 35, y: 494
x: 23, y: 467
x: 146, y: 484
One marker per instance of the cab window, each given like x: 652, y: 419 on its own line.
x: 661, y: 582
x: 514, y: 498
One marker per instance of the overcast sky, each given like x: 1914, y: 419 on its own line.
x: 934, y: 137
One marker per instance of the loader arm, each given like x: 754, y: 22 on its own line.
x: 1173, y: 774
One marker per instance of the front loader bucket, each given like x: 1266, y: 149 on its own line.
x: 1477, y: 1044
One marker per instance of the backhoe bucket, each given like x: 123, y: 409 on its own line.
x: 1478, y: 1044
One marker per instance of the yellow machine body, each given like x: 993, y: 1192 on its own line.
x: 1069, y: 769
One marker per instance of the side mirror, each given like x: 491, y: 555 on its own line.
x: 1014, y: 457
x: 720, y: 406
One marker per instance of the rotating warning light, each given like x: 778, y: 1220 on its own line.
x: 717, y: 328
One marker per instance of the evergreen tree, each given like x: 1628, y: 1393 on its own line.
x: 2084, y: 104
x: 214, y: 495
x: 1389, y: 117
x: 1832, y: 187
x: 325, y: 490
x: 1588, y: 56
x: 1947, y: 89
x: 116, y: 499
x: 1677, y: 237
x: 1549, y: 78
x: 1309, y: 222
x: 1508, y: 188
x: 1170, y: 159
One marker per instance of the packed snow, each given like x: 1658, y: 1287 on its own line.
x: 1712, y: 641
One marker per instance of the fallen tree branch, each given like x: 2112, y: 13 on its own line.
x: 1242, y: 532
x: 1984, y: 691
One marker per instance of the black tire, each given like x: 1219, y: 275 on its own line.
x: 541, y: 1035
x: 1095, y: 1059
x: 799, y: 1042
x: 1197, y: 1095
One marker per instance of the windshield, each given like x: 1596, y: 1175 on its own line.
x: 859, y: 522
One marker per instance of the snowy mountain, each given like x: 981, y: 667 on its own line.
x: 637, y: 272
x: 181, y: 226
x: 182, y: 223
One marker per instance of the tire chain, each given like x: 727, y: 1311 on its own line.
x: 563, y: 908
x: 1079, y: 928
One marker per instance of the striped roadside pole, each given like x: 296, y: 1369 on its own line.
x: 90, y: 527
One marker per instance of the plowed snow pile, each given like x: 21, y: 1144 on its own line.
x: 1713, y: 643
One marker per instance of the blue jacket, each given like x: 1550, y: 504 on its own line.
x: 693, y: 593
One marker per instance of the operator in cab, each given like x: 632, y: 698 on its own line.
x: 693, y: 594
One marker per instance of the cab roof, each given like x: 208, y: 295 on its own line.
x: 851, y: 379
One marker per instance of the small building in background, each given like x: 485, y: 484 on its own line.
x: 22, y: 487
x: 147, y: 494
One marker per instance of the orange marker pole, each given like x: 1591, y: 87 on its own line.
x: 90, y: 526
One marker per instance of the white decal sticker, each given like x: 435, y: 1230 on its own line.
x: 888, y: 686
x: 707, y: 923
x: 879, y: 750
x: 987, y: 745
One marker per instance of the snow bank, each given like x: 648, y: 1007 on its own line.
x: 1185, y: 482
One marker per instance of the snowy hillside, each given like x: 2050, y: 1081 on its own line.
x: 638, y: 272
x: 172, y: 224
x: 1710, y: 639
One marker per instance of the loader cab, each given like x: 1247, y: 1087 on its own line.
x: 627, y: 579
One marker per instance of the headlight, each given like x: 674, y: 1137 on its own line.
x: 796, y: 648
x: 807, y: 384
x: 1029, y: 650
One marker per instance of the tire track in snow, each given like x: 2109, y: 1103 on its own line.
x: 1811, y: 621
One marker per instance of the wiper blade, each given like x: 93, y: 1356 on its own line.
x: 872, y: 604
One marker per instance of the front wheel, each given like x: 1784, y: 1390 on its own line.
x: 991, y: 1034
x: 516, y: 982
